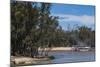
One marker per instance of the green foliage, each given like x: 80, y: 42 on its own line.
x: 51, y: 57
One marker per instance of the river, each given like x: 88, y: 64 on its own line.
x: 70, y: 57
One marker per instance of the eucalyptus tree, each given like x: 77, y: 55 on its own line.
x: 87, y: 35
x: 23, y: 22
x: 17, y: 29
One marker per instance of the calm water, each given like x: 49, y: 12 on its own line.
x: 70, y: 57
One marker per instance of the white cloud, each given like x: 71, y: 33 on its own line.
x: 84, y: 19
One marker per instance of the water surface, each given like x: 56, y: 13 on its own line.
x: 70, y: 57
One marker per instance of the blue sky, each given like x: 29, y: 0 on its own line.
x: 70, y: 14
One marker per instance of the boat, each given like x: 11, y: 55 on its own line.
x: 82, y: 49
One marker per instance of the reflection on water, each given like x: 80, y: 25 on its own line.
x: 67, y: 57
x: 70, y: 57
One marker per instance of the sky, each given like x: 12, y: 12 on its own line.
x: 71, y: 15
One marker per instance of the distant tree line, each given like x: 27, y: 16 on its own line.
x: 33, y: 27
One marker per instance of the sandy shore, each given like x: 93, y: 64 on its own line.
x: 25, y: 60
x: 58, y: 48
x: 68, y: 49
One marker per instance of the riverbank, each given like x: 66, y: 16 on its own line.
x: 58, y: 48
x: 21, y: 60
x: 66, y: 48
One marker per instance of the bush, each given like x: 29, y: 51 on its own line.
x: 51, y: 57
